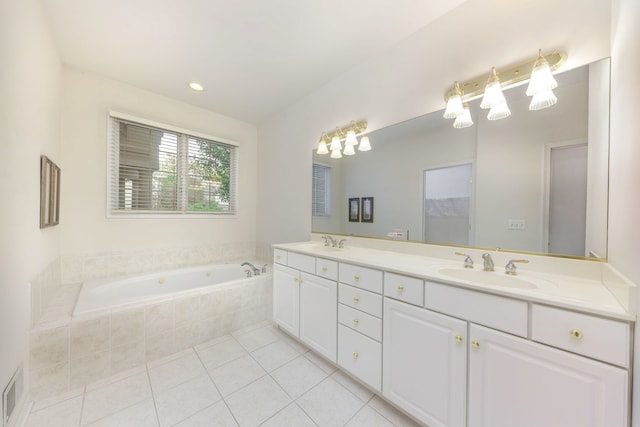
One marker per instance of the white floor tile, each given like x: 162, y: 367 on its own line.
x: 330, y: 404
x: 368, y: 417
x: 353, y: 386
x: 274, y: 355
x: 320, y: 362
x: 220, y: 353
x: 298, y: 376
x: 181, y: 402
x: 257, y: 402
x: 236, y: 374
x: 392, y: 414
x: 176, y: 371
x: 115, y: 397
x: 256, y: 338
x: 54, y: 400
x: 65, y: 413
x: 291, y: 416
x: 141, y: 415
x: 216, y: 415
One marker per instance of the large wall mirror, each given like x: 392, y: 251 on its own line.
x: 536, y: 181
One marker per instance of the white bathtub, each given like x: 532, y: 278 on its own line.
x: 104, y: 294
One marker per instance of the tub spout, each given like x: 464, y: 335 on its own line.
x: 256, y: 271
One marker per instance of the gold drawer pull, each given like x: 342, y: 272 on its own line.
x: 400, y: 289
x: 475, y: 344
x: 324, y: 269
x: 355, y: 356
x: 458, y: 339
x: 576, y: 334
x: 296, y: 280
x: 356, y: 278
x: 356, y: 300
x: 356, y: 322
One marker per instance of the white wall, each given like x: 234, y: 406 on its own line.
x: 409, y: 80
x: 29, y: 120
x: 86, y: 229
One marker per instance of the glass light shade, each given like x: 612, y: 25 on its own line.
x: 464, y: 120
x: 365, y: 145
x: 542, y: 100
x: 322, y: 147
x: 349, y: 150
x: 454, y: 107
x: 541, y: 78
x: 336, y: 154
x: 499, y: 111
x: 492, y: 91
x: 351, y: 139
x: 335, y: 144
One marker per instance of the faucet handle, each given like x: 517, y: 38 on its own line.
x: 341, y: 243
x: 264, y: 268
x: 468, y: 262
x: 510, y: 268
x: 326, y: 240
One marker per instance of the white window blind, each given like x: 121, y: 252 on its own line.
x: 156, y: 169
x: 320, y: 191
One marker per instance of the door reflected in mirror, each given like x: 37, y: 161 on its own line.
x: 508, y: 175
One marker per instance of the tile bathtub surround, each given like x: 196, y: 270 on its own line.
x: 44, y: 288
x: 256, y: 376
x: 68, y: 353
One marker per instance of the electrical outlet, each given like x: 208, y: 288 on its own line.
x: 517, y: 224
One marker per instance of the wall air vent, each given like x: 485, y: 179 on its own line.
x: 12, y: 395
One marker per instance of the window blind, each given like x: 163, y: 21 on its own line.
x: 162, y: 170
x: 320, y: 191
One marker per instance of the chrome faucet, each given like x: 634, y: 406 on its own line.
x: 341, y: 243
x: 488, y: 262
x: 510, y: 268
x: 330, y: 241
x: 256, y: 271
x: 468, y: 262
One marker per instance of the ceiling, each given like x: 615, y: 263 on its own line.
x: 254, y: 57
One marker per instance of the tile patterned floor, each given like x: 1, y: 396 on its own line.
x: 257, y: 376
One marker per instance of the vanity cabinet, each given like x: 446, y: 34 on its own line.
x: 305, y: 305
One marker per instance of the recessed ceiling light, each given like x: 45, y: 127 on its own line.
x: 196, y: 86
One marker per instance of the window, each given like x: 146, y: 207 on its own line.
x: 156, y: 169
x: 321, y: 190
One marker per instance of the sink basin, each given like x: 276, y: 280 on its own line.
x: 488, y: 278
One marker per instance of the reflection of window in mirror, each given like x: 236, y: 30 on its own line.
x: 321, y: 193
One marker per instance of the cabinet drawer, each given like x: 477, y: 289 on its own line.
x: 361, y: 356
x: 280, y: 256
x: 501, y: 313
x: 327, y: 268
x: 404, y: 288
x: 364, y: 323
x: 604, y: 339
x: 301, y: 262
x: 362, y: 277
x: 362, y: 300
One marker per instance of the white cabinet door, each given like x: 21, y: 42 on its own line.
x: 424, y: 363
x: 319, y: 314
x: 515, y: 382
x: 286, y: 295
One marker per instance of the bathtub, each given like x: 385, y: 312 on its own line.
x: 106, y: 294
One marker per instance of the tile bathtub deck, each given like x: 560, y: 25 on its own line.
x: 257, y: 376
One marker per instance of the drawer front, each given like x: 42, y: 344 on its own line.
x: 280, y: 256
x: 327, y: 268
x: 360, y: 299
x: 404, y: 288
x: 301, y: 262
x: 603, y: 339
x: 362, y: 277
x: 361, y: 356
x: 496, y: 312
x: 357, y: 320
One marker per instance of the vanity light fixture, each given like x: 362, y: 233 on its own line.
x: 347, y: 133
x: 454, y: 102
x: 541, y: 84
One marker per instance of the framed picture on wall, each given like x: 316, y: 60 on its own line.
x: 49, y: 193
x: 367, y: 209
x: 354, y: 209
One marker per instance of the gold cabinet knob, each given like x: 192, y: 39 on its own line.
x: 356, y: 300
x: 458, y: 338
x: 475, y: 344
x: 356, y: 278
x: 356, y: 322
x: 577, y: 334
x: 324, y: 269
x: 400, y: 289
x: 355, y: 355
x: 296, y: 280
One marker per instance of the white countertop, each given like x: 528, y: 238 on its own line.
x: 596, y: 288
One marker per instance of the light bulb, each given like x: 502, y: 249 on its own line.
x: 351, y: 139
x: 322, y: 147
x: 543, y: 100
x: 336, y: 154
x: 335, y: 143
x: 464, y: 120
x: 365, y: 145
x: 454, y: 103
x: 492, y: 92
x: 348, y: 150
x: 499, y: 111
x: 541, y: 78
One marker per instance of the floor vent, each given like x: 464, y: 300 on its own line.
x: 11, y: 396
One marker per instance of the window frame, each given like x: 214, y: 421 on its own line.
x: 111, y: 168
x: 327, y: 190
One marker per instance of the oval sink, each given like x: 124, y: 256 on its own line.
x: 487, y: 278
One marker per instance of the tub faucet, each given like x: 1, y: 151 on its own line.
x: 488, y: 262
x: 256, y: 271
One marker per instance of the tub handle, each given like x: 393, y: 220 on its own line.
x: 264, y: 268
x: 248, y: 273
